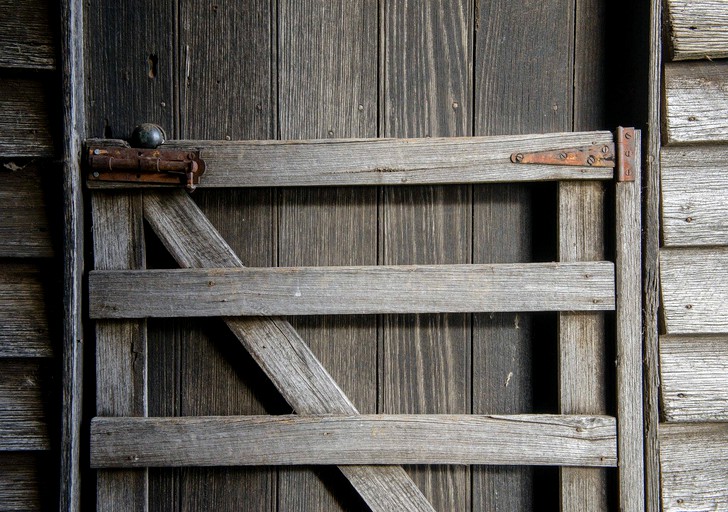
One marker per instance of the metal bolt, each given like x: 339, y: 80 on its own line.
x: 605, y: 149
x: 628, y: 135
x: 591, y: 160
x: 96, y: 174
x: 97, y: 151
x: 519, y: 157
x: 563, y: 156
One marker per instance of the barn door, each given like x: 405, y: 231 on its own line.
x: 137, y: 192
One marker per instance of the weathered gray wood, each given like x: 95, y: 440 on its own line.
x: 328, y: 88
x: 426, y: 90
x: 694, y: 377
x: 289, y: 363
x: 24, y: 231
x: 325, y: 162
x: 650, y: 260
x: 630, y: 425
x: 121, y: 346
x: 22, y: 479
x: 352, y: 290
x: 698, y: 29
x: 25, y: 127
x: 27, y: 40
x: 23, y: 418
x: 696, y: 102
x: 226, y: 77
x: 23, y: 311
x: 582, y: 366
x: 694, y: 191
x: 694, y: 290
x: 694, y: 463
x: 361, y: 439
x: 74, y: 131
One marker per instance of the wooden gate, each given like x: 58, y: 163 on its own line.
x: 327, y: 429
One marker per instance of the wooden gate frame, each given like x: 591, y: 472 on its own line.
x: 328, y: 428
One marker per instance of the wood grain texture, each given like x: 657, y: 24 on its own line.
x: 695, y: 102
x: 426, y: 90
x: 694, y: 377
x: 289, y: 363
x: 132, y: 56
x: 121, y: 346
x: 24, y: 232
x: 361, y: 439
x: 650, y: 260
x: 27, y: 40
x: 226, y: 79
x: 322, y: 162
x: 694, y: 464
x: 694, y: 290
x: 22, y: 478
x: 25, y: 123
x: 74, y: 131
x: 24, y: 311
x: 582, y: 365
x: 698, y: 29
x: 23, y: 405
x: 352, y: 290
x: 694, y: 185
x: 328, y: 88
x: 630, y: 423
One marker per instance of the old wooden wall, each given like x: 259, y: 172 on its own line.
x: 694, y: 258
x: 360, y: 68
x: 29, y: 266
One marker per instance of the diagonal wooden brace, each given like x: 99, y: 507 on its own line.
x: 276, y: 346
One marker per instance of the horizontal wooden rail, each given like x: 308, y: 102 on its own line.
x: 385, y: 161
x: 352, y: 290
x: 698, y: 29
x: 360, y: 439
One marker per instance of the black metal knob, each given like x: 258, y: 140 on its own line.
x: 148, y: 135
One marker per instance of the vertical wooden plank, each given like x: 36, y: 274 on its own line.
x: 74, y: 130
x: 121, y: 346
x: 630, y: 440
x: 513, y: 94
x: 225, y: 85
x: 328, y: 88
x: 427, y: 91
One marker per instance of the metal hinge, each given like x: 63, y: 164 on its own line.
x: 596, y: 155
x: 147, y: 166
x: 626, y: 154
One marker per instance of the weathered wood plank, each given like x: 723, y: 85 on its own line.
x: 352, y: 290
x: 23, y: 311
x: 74, y: 131
x: 226, y: 81
x: 694, y: 187
x: 25, y: 123
x: 694, y: 464
x: 27, y: 40
x: 23, y: 477
x: 582, y: 366
x: 24, y: 231
x: 426, y: 90
x: 289, y: 363
x: 328, y: 88
x: 694, y: 376
x: 23, y: 418
x: 650, y: 261
x: 361, y: 439
x: 385, y: 161
x: 698, y: 29
x: 694, y: 290
x: 696, y: 102
x: 630, y: 427
x: 121, y: 346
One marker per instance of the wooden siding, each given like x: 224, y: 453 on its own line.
x: 694, y: 371
x: 696, y: 102
x: 694, y: 463
x: 25, y: 118
x: 694, y: 188
x: 23, y: 418
x: 25, y: 481
x: 27, y: 40
x: 698, y: 29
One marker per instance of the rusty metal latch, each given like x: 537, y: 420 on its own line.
x: 146, y: 166
x: 626, y: 154
x: 596, y: 155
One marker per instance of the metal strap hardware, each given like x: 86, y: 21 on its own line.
x: 596, y: 155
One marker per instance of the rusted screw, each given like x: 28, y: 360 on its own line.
x: 605, y: 149
x: 519, y: 157
x: 591, y: 160
x: 627, y: 135
x: 563, y: 156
